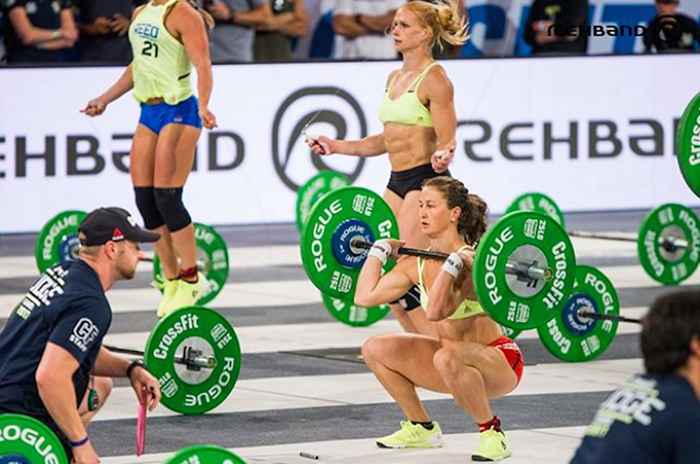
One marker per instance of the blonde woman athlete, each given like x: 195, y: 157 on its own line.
x: 419, y: 121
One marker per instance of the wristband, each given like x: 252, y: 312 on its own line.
x: 453, y: 265
x: 56, y: 34
x: 134, y: 365
x: 76, y: 444
x: 381, y: 249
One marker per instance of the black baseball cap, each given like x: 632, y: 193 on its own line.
x: 115, y: 224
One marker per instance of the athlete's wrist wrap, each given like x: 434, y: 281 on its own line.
x: 381, y: 249
x: 453, y: 264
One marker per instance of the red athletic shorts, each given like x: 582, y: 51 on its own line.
x: 513, y: 354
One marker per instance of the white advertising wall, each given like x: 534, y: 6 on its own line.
x: 595, y: 133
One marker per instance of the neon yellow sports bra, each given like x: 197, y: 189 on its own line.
x: 467, y: 309
x: 407, y: 107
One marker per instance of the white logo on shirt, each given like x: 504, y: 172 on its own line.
x: 84, y: 333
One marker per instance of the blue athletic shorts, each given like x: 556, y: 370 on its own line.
x: 157, y: 116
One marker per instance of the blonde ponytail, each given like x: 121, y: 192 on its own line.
x: 444, y: 19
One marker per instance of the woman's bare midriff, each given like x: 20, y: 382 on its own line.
x: 476, y: 329
x: 408, y: 146
x: 479, y: 329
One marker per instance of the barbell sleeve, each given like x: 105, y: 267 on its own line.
x: 519, y: 269
x: 198, y: 361
x: 607, y: 317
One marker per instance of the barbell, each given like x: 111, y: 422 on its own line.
x: 668, y: 241
x: 688, y: 142
x: 524, y: 271
x: 307, y: 196
x: 57, y: 243
x: 195, y: 355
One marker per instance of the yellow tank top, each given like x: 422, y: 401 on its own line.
x: 160, y: 68
x: 466, y: 309
x: 407, y: 107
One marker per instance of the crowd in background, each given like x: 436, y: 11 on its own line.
x: 96, y: 31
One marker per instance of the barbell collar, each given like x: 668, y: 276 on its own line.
x: 528, y: 271
x: 672, y: 244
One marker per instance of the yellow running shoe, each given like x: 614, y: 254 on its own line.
x: 185, y: 294
x: 168, y: 287
x: 493, y: 446
x: 413, y: 436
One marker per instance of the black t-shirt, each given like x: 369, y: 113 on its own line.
x: 564, y: 14
x: 44, y: 14
x: 672, y: 33
x: 108, y: 48
x: 65, y: 306
x: 649, y: 420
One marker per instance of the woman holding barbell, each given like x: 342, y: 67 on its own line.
x: 419, y: 121
x: 469, y: 357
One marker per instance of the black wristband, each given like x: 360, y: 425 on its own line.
x: 75, y: 444
x: 134, y: 365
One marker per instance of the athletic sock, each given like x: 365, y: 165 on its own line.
x: 495, y: 422
x: 426, y: 425
x: 189, y: 275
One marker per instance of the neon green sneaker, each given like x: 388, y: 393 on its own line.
x: 168, y: 287
x: 184, y: 294
x: 493, y: 446
x: 413, y: 436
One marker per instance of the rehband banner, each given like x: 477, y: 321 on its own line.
x: 594, y: 133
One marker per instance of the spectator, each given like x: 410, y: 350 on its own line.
x: 233, y: 35
x: 655, y: 417
x: 38, y: 31
x: 273, y: 39
x: 362, y: 25
x: 2, y: 34
x: 103, y: 28
x: 552, y: 27
x: 671, y: 31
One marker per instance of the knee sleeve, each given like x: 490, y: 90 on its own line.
x: 169, y: 202
x: 411, y: 300
x: 146, y: 203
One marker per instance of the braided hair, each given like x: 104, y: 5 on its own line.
x: 472, y: 220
